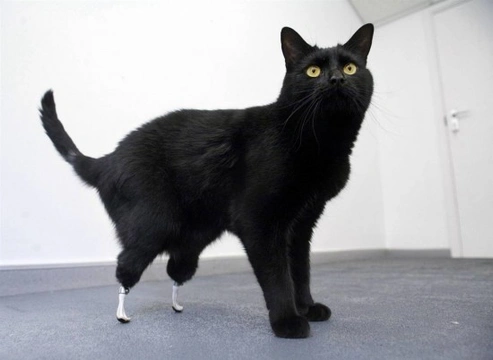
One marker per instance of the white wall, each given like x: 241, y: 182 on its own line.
x: 411, y: 137
x: 114, y: 66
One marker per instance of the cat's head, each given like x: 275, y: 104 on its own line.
x: 335, y: 78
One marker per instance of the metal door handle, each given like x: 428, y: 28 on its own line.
x: 454, y: 117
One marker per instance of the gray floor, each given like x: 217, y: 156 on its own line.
x: 382, y: 309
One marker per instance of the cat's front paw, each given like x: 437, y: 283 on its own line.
x: 294, y: 327
x: 318, y: 312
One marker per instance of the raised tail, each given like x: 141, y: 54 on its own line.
x: 86, y: 167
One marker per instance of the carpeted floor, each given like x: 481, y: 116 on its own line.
x: 382, y: 309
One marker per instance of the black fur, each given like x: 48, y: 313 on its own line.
x: 264, y: 173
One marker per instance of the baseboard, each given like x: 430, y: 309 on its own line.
x: 427, y: 253
x: 15, y: 280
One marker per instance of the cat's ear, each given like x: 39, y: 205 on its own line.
x: 360, y: 42
x: 293, y: 46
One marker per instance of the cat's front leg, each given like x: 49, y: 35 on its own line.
x: 269, y: 259
x: 299, y: 252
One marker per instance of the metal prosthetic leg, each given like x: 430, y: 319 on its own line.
x: 177, y: 307
x: 120, y: 311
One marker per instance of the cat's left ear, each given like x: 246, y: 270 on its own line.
x: 360, y: 42
x: 293, y: 46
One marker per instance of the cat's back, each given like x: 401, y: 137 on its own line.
x: 195, y: 132
x: 175, y: 128
x: 197, y: 150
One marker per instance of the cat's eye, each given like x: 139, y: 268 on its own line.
x: 313, y: 71
x: 350, y: 69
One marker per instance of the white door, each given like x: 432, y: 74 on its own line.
x: 464, y: 35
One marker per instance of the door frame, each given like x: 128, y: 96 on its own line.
x: 445, y: 152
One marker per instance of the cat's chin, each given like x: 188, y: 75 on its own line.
x: 337, y: 99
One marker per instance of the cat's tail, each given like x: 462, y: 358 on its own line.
x: 86, y: 167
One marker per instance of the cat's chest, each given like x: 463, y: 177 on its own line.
x: 323, y: 177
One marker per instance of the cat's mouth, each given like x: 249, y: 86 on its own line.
x: 336, y: 91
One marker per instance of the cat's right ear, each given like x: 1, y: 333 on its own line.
x: 293, y: 46
x: 360, y: 42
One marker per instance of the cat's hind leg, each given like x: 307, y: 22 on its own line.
x: 181, y: 268
x: 120, y: 311
x: 132, y: 262
x: 174, y: 298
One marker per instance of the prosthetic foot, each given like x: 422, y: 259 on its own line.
x: 120, y: 312
x: 177, y: 307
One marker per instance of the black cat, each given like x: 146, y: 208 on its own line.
x: 264, y: 174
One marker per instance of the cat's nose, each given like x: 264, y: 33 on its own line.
x: 337, y: 78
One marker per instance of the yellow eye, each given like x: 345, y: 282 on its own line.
x: 350, y: 69
x: 313, y: 71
